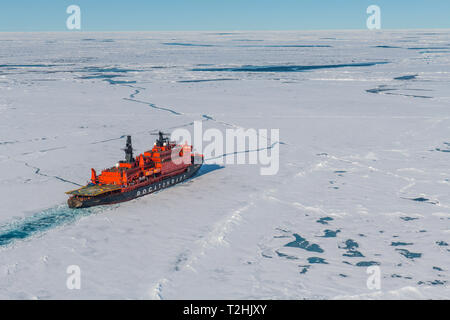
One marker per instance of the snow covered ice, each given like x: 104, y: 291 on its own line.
x: 364, y: 178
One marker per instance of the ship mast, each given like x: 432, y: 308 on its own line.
x: 162, y: 140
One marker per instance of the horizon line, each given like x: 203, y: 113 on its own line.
x: 224, y: 30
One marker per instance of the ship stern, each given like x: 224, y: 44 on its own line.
x: 74, y: 202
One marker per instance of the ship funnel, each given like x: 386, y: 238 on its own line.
x: 128, y: 151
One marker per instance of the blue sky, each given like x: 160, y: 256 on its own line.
x: 131, y: 15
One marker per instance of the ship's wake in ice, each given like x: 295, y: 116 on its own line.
x: 42, y: 221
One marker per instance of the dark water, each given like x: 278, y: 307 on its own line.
x: 317, y: 260
x: 187, y: 44
x: 302, y: 243
x: 387, y: 47
x: 350, y: 247
x: 380, y: 89
x: 98, y: 40
x: 41, y: 222
x: 408, y: 254
x: 304, y: 269
x: 330, y: 233
x: 394, y: 275
x: 419, y: 199
x: 367, y: 263
x: 108, y: 74
x: 433, y: 283
x: 111, y: 81
x: 324, y: 220
x: 104, y: 74
x: 407, y: 77
x: 287, y: 68
x: 408, y: 218
x: 396, y: 244
x: 428, y: 48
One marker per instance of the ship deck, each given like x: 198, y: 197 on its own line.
x: 93, y: 190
